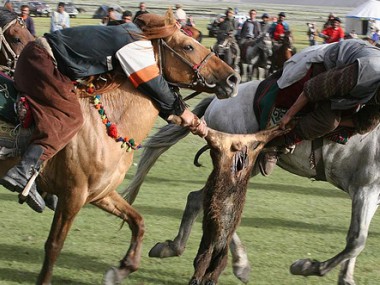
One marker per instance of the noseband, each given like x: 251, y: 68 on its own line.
x: 10, y: 56
x: 198, y: 79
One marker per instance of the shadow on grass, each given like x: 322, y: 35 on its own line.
x: 22, y: 277
x: 24, y: 254
x: 268, y: 223
x: 159, y: 211
x: 294, y: 189
x: 8, y: 196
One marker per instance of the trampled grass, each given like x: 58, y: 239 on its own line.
x: 285, y: 218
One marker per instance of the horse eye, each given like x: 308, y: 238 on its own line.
x: 16, y: 40
x: 188, y: 48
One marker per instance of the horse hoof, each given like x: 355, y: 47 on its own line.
x: 305, y: 267
x: 242, y: 273
x: 111, y: 277
x: 162, y: 250
x: 194, y: 281
x: 210, y: 282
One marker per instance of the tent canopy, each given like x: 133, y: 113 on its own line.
x: 367, y: 10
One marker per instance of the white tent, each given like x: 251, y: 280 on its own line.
x: 363, y: 17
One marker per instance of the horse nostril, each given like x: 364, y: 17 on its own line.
x: 233, y: 79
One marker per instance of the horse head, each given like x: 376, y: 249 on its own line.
x: 13, y: 38
x: 184, y: 62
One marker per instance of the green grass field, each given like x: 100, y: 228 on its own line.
x: 285, y: 218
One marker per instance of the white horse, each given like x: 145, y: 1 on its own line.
x: 352, y: 168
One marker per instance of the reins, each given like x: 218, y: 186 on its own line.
x: 198, y: 78
x: 6, y: 49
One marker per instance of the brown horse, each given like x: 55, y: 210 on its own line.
x: 96, y: 164
x: 13, y: 38
x: 282, y: 51
x: 193, y: 32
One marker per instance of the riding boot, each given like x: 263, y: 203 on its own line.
x: 267, y: 160
x: 18, y: 177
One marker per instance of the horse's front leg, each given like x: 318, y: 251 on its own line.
x: 65, y: 213
x: 364, y: 206
x: 175, y: 248
x: 114, y: 204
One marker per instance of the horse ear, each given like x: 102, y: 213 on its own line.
x: 169, y: 17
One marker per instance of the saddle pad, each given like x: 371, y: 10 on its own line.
x: 8, y: 97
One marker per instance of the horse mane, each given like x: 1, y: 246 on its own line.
x: 157, y: 26
x: 6, y: 16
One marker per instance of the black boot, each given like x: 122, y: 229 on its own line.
x: 18, y: 176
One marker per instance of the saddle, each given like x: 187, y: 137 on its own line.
x: 14, y: 138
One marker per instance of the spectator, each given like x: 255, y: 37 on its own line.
x: 264, y: 23
x: 8, y: 5
x: 59, y: 19
x: 143, y: 10
x: 27, y: 19
x: 111, y: 18
x: 180, y: 15
x: 311, y: 33
x: 329, y: 21
x: 278, y: 28
x: 127, y: 16
x: 190, y: 21
x: 251, y: 28
x: 227, y: 31
x: 333, y: 34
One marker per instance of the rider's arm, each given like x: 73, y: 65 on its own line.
x: 138, y: 62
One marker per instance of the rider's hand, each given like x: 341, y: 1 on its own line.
x: 285, y: 121
x: 195, y: 125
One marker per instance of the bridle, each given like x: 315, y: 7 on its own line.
x: 198, y: 79
x: 10, y: 56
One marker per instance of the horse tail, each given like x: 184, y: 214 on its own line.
x: 199, y: 153
x: 160, y: 142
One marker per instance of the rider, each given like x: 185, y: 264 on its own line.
x: 264, y: 23
x: 346, y: 92
x: 251, y: 28
x: 226, y: 32
x: 44, y: 74
x: 277, y: 29
x: 334, y: 33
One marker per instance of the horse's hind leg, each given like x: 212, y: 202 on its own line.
x: 175, y: 248
x: 364, y: 206
x: 64, y: 216
x: 114, y: 204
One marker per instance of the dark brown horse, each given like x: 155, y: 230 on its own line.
x: 96, y: 164
x: 282, y: 51
x: 193, y: 32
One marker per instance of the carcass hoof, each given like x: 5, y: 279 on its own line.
x: 163, y: 249
x: 242, y: 273
x: 305, y: 267
x: 111, y: 277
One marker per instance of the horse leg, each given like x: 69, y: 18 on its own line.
x: 364, y: 206
x: 65, y: 213
x: 240, y: 262
x: 215, y: 269
x: 114, y: 204
x: 175, y: 248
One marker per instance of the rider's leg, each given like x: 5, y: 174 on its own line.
x: 315, y: 124
x: 56, y: 112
